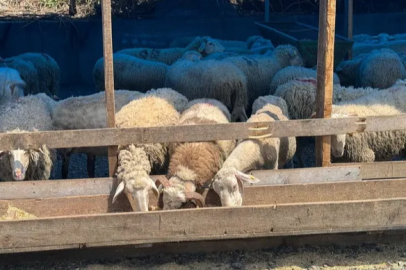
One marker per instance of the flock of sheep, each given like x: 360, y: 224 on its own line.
x: 199, y: 80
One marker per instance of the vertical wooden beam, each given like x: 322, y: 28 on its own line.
x: 109, y: 78
x: 350, y: 12
x: 267, y: 10
x: 325, y: 65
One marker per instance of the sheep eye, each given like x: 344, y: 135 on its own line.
x: 235, y: 188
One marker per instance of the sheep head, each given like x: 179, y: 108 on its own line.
x: 137, y: 191
x: 288, y: 55
x: 133, y: 174
x: 210, y: 46
x: 228, y: 184
x: 175, y: 195
x: 20, y: 161
x: 192, y: 56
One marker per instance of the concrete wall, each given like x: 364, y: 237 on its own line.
x: 77, y: 45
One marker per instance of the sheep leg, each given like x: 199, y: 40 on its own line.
x: 65, y: 165
x: 91, y: 164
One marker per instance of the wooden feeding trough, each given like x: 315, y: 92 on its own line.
x: 304, y: 37
x: 339, y: 198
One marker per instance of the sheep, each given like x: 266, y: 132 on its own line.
x: 210, y: 79
x: 250, y: 154
x: 219, y: 55
x: 27, y: 114
x: 47, y: 69
x: 294, y: 72
x: 192, y: 165
x: 260, y: 69
x: 366, y: 146
x: 11, y: 85
x: 205, y: 45
x: 27, y: 72
x: 251, y: 40
x: 300, y: 95
x: 260, y: 102
x: 397, y: 45
x: 378, y: 69
x: 137, y: 161
x: 261, y: 46
x: 213, y: 102
x: 86, y: 112
x: 179, y: 101
x: 132, y: 73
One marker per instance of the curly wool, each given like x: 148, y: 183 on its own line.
x: 210, y: 79
x: 149, y: 111
x: 131, y: 73
x: 260, y: 102
x: 294, y: 72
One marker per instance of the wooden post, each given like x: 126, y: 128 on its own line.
x: 267, y: 10
x: 350, y: 12
x: 325, y: 65
x: 109, y: 78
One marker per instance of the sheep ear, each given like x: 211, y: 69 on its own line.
x: 154, y: 188
x: 119, y: 190
x: 313, y: 115
x: 247, y: 178
x: 202, y: 47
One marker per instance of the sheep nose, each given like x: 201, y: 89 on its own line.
x: 18, y: 172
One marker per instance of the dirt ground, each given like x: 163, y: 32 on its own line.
x: 371, y: 256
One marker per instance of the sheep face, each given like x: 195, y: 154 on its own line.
x: 137, y: 190
x: 173, y: 197
x: 210, y: 46
x: 19, y: 161
x: 338, y: 145
x: 192, y: 56
x: 229, y: 186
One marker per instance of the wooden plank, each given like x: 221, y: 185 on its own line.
x: 113, y: 136
x: 308, y: 175
x: 325, y: 66
x: 78, y: 253
x: 379, y: 170
x: 253, y: 195
x: 109, y: 79
x: 204, y: 224
x: 59, y: 188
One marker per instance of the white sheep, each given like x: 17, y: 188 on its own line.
x: 136, y: 162
x: 27, y: 72
x: 86, y: 112
x: 193, y: 164
x: 204, y: 45
x: 210, y: 79
x: 132, y: 73
x: 294, y: 72
x: 11, y: 85
x: 260, y: 69
x: 179, y: 101
x: 378, y: 69
x: 251, y: 154
x: 300, y: 95
x: 27, y: 114
x: 213, y: 102
x: 366, y: 146
x: 47, y: 69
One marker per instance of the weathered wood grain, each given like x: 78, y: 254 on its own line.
x: 113, y: 136
x: 325, y: 66
x: 204, y: 224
